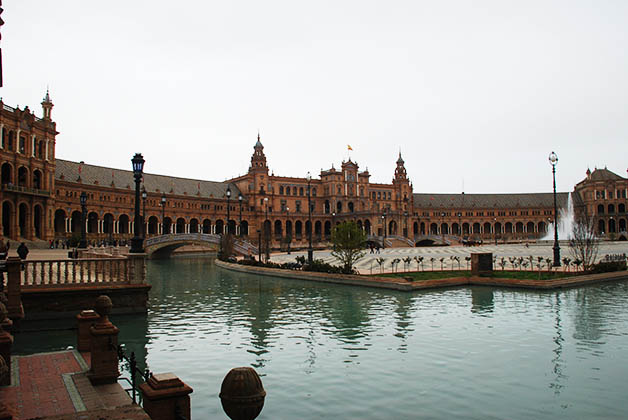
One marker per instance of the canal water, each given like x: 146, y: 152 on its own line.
x: 332, y: 351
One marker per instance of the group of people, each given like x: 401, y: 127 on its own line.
x: 374, y: 248
x: 22, y: 250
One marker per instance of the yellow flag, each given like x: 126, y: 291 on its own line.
x: 349, y: 147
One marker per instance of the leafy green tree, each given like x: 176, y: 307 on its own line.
x: 348, y: 244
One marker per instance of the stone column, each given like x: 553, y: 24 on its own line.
x: 6, y: 342
x: 86, y: 320
x: 137, y: 268
x: 104, y: 343
x: 14, y: 288
x: 164, y: 395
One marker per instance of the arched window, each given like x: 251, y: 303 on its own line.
x: 600, y: 209
x: 611, y: 209
x: 281, y: 190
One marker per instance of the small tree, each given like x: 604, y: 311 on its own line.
x: 348, y: 244
x: 583, y: 244
x: 380, y: 261
x: 406, y: 263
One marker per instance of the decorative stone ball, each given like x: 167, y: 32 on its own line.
x: 103, y: 305
x: 242, y: 394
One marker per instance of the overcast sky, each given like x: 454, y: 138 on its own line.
x: 473, y: 92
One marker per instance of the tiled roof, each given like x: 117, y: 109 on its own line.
x: 97, y: 175
x: 489, y: 201
x: 605, y: 175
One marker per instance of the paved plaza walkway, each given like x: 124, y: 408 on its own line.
x: 368, y: 262
x: 54, y: 385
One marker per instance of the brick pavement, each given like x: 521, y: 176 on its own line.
x: 54, y: 385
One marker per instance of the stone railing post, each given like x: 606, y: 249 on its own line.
x: 6, y: 342
x: 482, y: 264
x: 103, y: 346
x: 137, y: 268
x: 242, y: 394
x: 14, y: 288
x: 166, y: 397
x: 85, y: 319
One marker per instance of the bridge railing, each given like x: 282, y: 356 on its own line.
x: 172, y: 237
x: 86, y: 271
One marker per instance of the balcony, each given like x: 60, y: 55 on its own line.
x: 25, y: 190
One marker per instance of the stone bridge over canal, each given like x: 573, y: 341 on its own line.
x: 162, y: 246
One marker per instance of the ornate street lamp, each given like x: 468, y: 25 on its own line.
x: 494, y: 231
x: 163, y: 213
x: 266, y: 230
x: 384, y: 219
x: 288, y: 235
x: 83, y: 241
x: 240, y: 198
x: 228, y: 197
x: 137, y: 242
x: 259, y: 245
x: 405, y: 215
x: 310, y: 251
x: 144, y: 195
x: 553, y: 161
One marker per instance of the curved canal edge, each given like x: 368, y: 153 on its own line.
x: 396, y: 284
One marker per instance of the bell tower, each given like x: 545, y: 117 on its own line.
x: 403, y: 189
x: 47, y: 105
x: 258, y: 160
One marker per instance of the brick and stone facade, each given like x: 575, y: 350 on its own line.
x: 39, y: 199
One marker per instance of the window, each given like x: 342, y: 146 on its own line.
x: 22, y: 145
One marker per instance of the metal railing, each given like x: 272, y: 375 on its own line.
x: 26, y: 190
x: 133, y: 370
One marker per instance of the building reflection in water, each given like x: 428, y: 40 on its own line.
x: 481, y: 300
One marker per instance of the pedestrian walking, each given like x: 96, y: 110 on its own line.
x: 22, y: 251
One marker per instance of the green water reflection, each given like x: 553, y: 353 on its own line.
x: 333, y: 351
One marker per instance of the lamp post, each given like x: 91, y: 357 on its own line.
x: 460, y: 224
x: 266, y: 229
x: 442, y: 234
x: 144, y: 195
x: 494, y: 231
x: 83, y: 241
x: 163, y: 213
x: 288, y: 234
x: 259, y: 245
x: 384, y: 219
x: 310, y: 251
x: 137, y: 242
x: 553, y: 161
x: 240, y: 198
x: 405, y: 215
x: 228, y: 197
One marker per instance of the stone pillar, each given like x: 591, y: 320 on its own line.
x: 14, y: 288
x: 163, y: 395
x: 6, y: 342
x: 104, y: 343
x: 86, y: 320
x: 137, y: 268
x: 482, y: 264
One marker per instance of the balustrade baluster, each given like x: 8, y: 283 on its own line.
x: 42, y: 274
x: 51, y: 276
x: 59, y: 273
x: 81, y: 270
x: 89, y: 271
x: 33, y: 273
